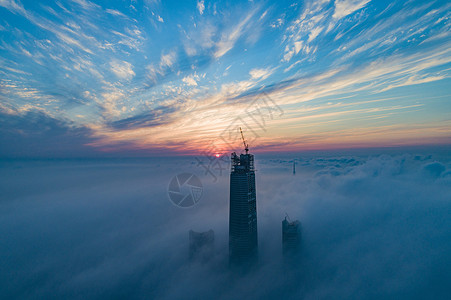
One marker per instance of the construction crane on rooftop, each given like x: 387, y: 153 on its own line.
x: 246, y: 146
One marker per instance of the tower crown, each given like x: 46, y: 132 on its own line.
x: 243, y: 163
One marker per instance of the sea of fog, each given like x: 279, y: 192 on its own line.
x: 374, y: 226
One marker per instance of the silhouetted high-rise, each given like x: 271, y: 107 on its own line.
x: 201, y: 245
x: 291, y: 237
x: 243, y: 240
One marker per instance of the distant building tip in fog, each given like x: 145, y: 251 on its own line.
x: 291, y: 236
x: 201, y: 245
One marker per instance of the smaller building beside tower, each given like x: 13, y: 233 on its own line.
x: 201, y: 245
x: 291, y: 237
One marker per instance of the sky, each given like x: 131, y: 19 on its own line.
x: 83, y: 78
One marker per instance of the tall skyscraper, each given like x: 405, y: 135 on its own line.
x: 243, y: 239
x: 291, y: 237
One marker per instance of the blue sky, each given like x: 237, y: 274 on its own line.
x: 80, y: 77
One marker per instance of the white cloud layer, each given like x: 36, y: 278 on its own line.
x: 373, y: 226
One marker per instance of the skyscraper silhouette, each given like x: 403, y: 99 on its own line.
x: 243, y: 240
x: 291, y: 237
x: 201, y: 245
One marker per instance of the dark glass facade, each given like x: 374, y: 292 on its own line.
x: 291, y: 237
x: 243, y: 238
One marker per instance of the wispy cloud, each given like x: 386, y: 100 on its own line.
x: 305, y: 29
x: 344, y: 8
x: 122, y: 69
x: 14, y: 6
x: 111, y: 102
x: 200, y: 38
x: 200, y: 6
x: 229, y: 38
x: 115, y: 12
x: 190, y: 80
x: 87, y: 5
x: 167, y: 61
x: 260, y: 73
